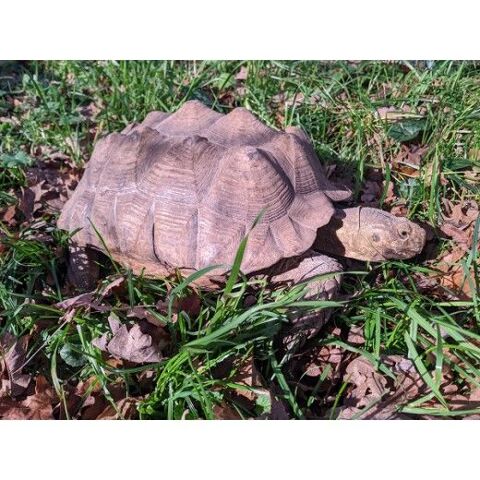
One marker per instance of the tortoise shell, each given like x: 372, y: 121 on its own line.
x: 182, y: 190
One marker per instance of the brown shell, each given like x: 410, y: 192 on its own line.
x: 181, y: 191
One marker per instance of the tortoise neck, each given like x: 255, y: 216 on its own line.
x: 337, y: 237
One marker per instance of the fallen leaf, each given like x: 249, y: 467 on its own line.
x: 89, y: 111
x: 369, y: 386
x: 242, y: 74
x: 355, y: 335
x: 458, y: 224
x: 394, y: 114
x: 409, y: 159
x: 30, y: 199
x: 399, y: 210
x: 241, y: 91
x: 9, y: 215
x: 130, y: 344
x: 96, y: 404
x: 371, y: 400
x: 144, y: 313
x: 248, y: 375
x: 461, y: 283
x: 125, y: 409
x: 459, y: 235
x: 35, y: 407
x: 13, y: 355
x: 83, y: 300
x: 288, y: 100
x: 278, y: 410
x: 190, y: 304
x: 460, y: 215
x: 225, y: 412
x: 77, y: 397
x: 329, y: 356
x: 409, y: 383
x: 112, y: 287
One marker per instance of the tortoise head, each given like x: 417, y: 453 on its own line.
x: 371, y: 234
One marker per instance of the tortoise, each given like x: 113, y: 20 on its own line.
x: 178, y: 192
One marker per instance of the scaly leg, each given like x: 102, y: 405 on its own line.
x: 83, y: 270
x: 295, y: 270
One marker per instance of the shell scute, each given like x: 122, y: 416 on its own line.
x: 183, y: 189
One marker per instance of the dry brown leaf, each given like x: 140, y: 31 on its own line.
x: 30, y: 199
x: 390, y: 196
x: 130, y: 344
x: 462, y: 214
x: 377, y: 412
x: 225, y: 412
x: 355, y: 335
x: 393, y: 114
x: 96, y: 406
x: 242, y: 74
x: 13, y: 355
x: 399, y: 210
x: 460, y: 236
x: 58, y: 173
x: 35, y: 407
x: 78, y: 397
x: 409, y: 384
x: 112, y: 287
x: 459, y: 221
x: 329, y: 356
x: 288, y: 100
x: 458, y: 224
x: 160, y: 335
x: 369, y: 386
x: 83, y: 300
x: 241, y: 91
x: 8, y: 215
x: 89, y: 111
x: 278, y: 409
x: 95, y: 401
x: 143, y: 313
x: 191, y: 304
x: 458, y: 282
x: 373, y: 400
x: 126, y: 409
x: 248, y: 375
x: 409, y: 159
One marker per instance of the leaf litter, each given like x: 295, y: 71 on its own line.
x: 13, y: 353
x: 134, y: 344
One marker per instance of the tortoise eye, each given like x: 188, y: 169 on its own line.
x: 404, y: 231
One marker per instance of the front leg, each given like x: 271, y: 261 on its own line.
x: 83, y: 270
x: 295, y: 270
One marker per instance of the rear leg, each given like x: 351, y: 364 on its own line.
x: 295, y: 270
x: 83, y: 270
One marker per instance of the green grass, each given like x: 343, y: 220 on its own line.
x: 44, y: 100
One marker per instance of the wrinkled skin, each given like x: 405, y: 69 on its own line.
x: 370, y: 234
